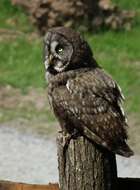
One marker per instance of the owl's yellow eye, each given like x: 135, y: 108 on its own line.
x: 59, y: 50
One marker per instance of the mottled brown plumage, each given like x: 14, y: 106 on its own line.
x: 83, y: 96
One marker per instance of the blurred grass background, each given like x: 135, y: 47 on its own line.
x: 21, y: 62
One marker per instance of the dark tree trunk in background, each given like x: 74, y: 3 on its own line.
x: 83, y: 14
x: 84, y: 166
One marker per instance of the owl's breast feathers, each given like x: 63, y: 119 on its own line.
x: 89, y: 100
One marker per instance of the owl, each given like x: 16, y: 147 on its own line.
x: 83, y: 96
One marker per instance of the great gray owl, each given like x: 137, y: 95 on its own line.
x: 83, y: 96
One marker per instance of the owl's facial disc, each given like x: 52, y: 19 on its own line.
x: 58, y: 54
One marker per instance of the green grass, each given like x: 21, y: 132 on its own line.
x: 13, y: 17
x: 118, y: 52
x: 133, y: 4
x: 21, y: 63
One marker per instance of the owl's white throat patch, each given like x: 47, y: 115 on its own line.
x: 59, y: 67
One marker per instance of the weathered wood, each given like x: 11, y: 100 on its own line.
x: 84, y: 166
x: 123, y: 184
x: 7, y: 185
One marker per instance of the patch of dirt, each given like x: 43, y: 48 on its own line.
x: 10, y: 34
x: 134, y: 132
x: 136, y: 65
x: 31, y: 106
x: 30, y: 110
x: 11, y: 98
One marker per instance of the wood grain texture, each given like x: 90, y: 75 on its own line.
x: 123, y: 184
x: 6, y: 185
x: 84, y: 166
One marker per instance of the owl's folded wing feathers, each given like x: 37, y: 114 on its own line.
x: 93, y: 100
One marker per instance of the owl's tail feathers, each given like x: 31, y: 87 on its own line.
x: 124, y: 151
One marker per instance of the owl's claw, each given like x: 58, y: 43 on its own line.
x: 68, y: 138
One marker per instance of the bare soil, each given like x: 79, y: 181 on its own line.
x: 11, y: 98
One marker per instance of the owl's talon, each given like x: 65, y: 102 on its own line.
x: 68, y: 138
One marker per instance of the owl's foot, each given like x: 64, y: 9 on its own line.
x: 68, y: 137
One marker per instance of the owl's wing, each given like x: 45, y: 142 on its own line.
x: 92, y: 101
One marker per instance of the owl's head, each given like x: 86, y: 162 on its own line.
x: 65, y: 50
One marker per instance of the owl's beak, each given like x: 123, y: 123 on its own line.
x: 50, y: 59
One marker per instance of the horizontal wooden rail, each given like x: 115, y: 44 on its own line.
x: 123, y: 184
x: 7, y: 185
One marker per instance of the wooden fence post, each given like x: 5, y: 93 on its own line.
x: 84, y: 166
